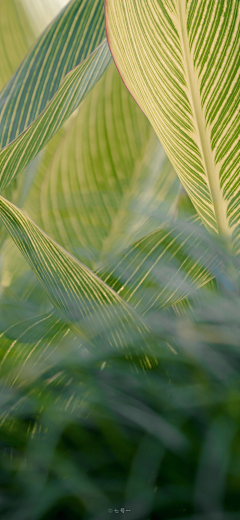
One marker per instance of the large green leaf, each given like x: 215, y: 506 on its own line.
x: 75, y: 86
x: 105, y: 181
x: 16, y: 36
x: 179, y: 59
x: 70, y: 39
x: 88, y: 305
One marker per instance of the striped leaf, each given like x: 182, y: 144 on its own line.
x: 20, y: 24
x: 180, y: 61
x: 75, y: 86
x: 163, y: 267
x: 88, y: 305
x: 70, y: 39
x: 106, y: 180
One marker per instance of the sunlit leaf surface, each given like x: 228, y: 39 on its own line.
x: 179, y: 59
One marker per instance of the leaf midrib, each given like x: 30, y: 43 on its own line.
x: 203, y: 133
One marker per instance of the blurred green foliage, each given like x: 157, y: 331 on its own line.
x: 87, y: 431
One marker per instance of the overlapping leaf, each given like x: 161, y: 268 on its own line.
x: 114, y: 139
x: 158, y: 271
x: 13, y: 159
x: 70, y: 39
x: 21, y: 22
x: 76, y: 85
x: 109, y: 181
x: 91, y: 308
x: 179, y: 59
